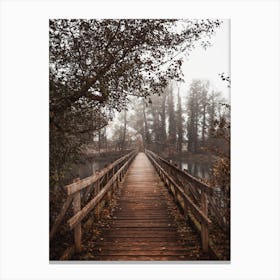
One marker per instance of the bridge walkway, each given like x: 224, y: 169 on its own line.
x: 144, y: 223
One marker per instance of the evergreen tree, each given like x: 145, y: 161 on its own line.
x: 171, y: 118
x: 180, y: 124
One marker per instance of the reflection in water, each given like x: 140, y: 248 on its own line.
x: 197, y: 169
x: 88, y: 168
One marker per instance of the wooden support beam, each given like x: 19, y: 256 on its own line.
x: 204, y: 227
x: 60, y: 216
x: 98, y: 206
x: 78, y: 227
x: 67, y: 254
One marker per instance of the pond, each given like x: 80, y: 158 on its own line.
x: 200, y: 169
x: 87, y: 169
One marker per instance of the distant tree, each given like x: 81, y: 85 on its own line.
x: 162, y: 114
x: 102, y: 140
x: 179, y: 123
x: 138, y: 121
x: 156, y: 113
x: 119, y: 130
x: 203, y: 110
x: 171, y: 118
x: 124, y: 129
x: 193, y: 113
x: 147, y: 136
x: 212, y: 112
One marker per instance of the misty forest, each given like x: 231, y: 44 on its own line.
x: 139, y: 145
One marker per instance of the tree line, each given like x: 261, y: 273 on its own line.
x: 170, y: 125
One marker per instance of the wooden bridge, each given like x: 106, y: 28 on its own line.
x: 157, y: 212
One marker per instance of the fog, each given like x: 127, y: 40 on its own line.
x: 199, y: 64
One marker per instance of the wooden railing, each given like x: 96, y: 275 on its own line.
x: 193, y: 187
x: 190, y: 194
x: 87, y: 194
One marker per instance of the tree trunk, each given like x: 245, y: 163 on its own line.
x: 124, y: 130
x: 203, y: 124
x: 146, y: 138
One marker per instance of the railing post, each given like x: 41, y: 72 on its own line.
x: 78, y: 227
x: 97, y: 192
x: 107, y: 177
x: 204, y: 227
x: 115, y: 182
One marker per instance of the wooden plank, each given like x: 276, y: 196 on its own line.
x: 142, y: 223
x: 204, y: 227
x: 140, y: 216
x: 67, y: 254
x: 148, y: 244
x: 143, y: 258
x: 97, y: 191
x: 144, y: 234
x: 60, y: 216
x: 163, y: 252
x: 78, y: 227
x: 130, y: 239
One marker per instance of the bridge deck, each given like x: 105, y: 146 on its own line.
x: 143, y: 226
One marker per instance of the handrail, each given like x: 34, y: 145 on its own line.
x: 200, y: 185
x: 79, y: 216
x: 95, y: 188
x: 206, y: 198
x: 194, y: 187
x: 81, y: 184
x: 199, y: 211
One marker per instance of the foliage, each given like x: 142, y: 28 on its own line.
x: 225, y: 78
x: 220, y: 172
x: 197, y: 102
x: 220, y: 175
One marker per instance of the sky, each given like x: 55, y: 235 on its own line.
x: 209, y: 63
